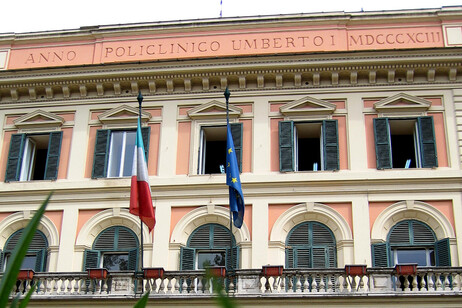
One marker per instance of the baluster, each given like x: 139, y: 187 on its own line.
x: 353, y: 283
x: 455, y: 282
x: 169, y: 285
x: 430, y: 282
x: 291, y: 283
x: 438, y: 284
x: 147, y: 285
x: 162, y: 286
x: 322, y: 284
x: 345, y: 283
x: 55, y: 285
x: 267, y: 285
x: 231, y: 285
x: 422, y: 285
x: 69, y: 285
x: 275, y: 284
x: 337, y: 283
x: 104, y: 286
x: 298, y: 285
x: 314, y: 283
x: 414, y: 283
x: 406, y: 284
x: 200, y: 285
x: 447, y: 284
x: 192, y: 288
x: 27, y: 283
x: 184, y: 286
x: 283, y: 284
x: 42, y: 286
x: 208, y: 285
x: 63, y: 285
x: 330, y: 284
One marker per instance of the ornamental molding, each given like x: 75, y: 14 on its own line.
x: 38, y: 119
x: 214, y: 109
x: 402, y: 102
x: 307, y: 106
x: 123, y: 114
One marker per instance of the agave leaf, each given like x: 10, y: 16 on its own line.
x: 26, y: 299
x: 15, y: 301
x: 12, y: 270
x: 141, y: 303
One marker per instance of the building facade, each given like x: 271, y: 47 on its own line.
x: 347, y: 128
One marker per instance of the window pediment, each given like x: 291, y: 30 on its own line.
x: 123, y: 114
x: 402, y: 102
x: 38, y: 119
x: 214, y: 109
x: 308, y: 106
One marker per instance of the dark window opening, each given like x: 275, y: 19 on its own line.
x: 308, y: 147
x: 115, y: 262
x: 34, y: 159
x: 403, y: 144
x: 212, y: 152
x: 206, y: 259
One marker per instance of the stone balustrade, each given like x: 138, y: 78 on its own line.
x: 248, y: 282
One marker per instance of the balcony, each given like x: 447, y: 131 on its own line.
x: 351, y: 281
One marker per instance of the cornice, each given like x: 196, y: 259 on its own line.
x: 183, y: 77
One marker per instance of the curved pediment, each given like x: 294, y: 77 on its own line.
x: 402, y: 102
x: 214, y: 109
x: 307, y: 106
x: 123, y: 114
x: 38, y: 118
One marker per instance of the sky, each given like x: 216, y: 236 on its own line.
x: 21, y: 16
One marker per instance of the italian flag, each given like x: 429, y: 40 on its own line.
x: 140, y: 193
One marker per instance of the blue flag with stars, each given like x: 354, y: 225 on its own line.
x: 236, y: 198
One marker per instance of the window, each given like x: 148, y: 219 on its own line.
x: 212, y: 148
x: 36, y: 257
x: 405, y: 143
x: 311, y: 245
x: 308, y: 146
x: 113, y: 156
x: 411, y: 241
x: 209, y: 245
x: 115, y: 248
x: 33, y: 157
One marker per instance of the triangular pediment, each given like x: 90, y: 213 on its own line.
x: 402, y: 102
x: 307, y: 105
x: 123, y: 114
x: 214, y: 109
x: 38, y: 118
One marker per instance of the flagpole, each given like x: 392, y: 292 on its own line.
x: 227, y: 94
x: 140, y: 101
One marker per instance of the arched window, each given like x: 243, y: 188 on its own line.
x: 311, y: 245
x: 209, y: 245
x: 36, y: 257
x: 115, y: 248
x: 411, y: 241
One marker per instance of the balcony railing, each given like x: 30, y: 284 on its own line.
x: 355, y: 280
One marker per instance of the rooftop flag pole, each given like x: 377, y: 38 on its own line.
x: 140, y: 192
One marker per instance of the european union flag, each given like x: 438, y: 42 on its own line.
x: 236, y: 198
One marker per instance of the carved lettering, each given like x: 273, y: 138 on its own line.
x: 51, y: 57
x: 412, y: 38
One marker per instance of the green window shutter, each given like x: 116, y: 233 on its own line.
x: 91, y: 259
x: 2, y: 260
x: 286, y: 146
x: 290, y: 257
x: 303, y: 257
x: 13, y: 165
x: 236, y: 132
x: 427, y: 142
x: 133, y: 259
x: 380, y: 255
x: 443, y: 252
x: 187, y: 258
x: 54, y: 150
x: 40, y: 261
x: 232, y: 258
x: 382, y: 143
x: 330, y: 144
x: 100, y: 158
x: 146, y: 132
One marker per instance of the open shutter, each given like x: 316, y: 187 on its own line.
x: 100, y: 157
x: 380, y: 255
x: 2, y: 260
x: 54, y: 150
x: 236, y: 132
x: 133, y: 259
x: 146, y: 132
x: 91, y: 259
x: 286, y: 146
x: 443, y: 252
x: 40, y: 260
x: 232, y: 258
x: 187, y: 258
x: 382, y: 143
x: 330, y: 144
x: 13, y: 166
x: 427, y: 142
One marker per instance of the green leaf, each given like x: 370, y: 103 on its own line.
x: 15, y: 301
x: 142, y: 301
x: 26, y: 299
x: 11, y: 273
